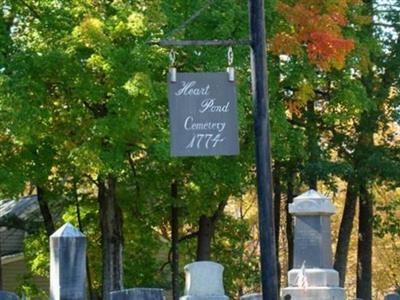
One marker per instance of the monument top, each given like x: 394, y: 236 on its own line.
x: 204, y: 264
x: 392, y: 296
x: 8, y: 295
x: 312, y: 203
x: 68, y: 231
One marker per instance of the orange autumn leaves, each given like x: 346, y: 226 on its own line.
x: 316, y: 28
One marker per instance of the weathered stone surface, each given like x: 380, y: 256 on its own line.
x: 258, y: 296
x: 203, y: 281
x: 312, y: 242
x: 67, y: 264
x: 315, y: 277
x: 138, y: 294
x: 315, y: 293
x: 8, y: 296
x: 255, y: 296
x: 204, y: 278
x: 392, y: 296
x: 210, y: 297
x: 311, y: 203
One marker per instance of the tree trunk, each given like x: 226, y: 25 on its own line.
x: 206, y: 231
x: 364, y: 253
x: 289, y: 220
x: 312, y: 145
x: 6, y: 52
x: 368, y: 125
x: 277, y: 209
x: 174, y: 242
x: 1, y: 268
x: 378, y: 88
x: 111, y: 236
x: 92, y: 293
x: 45, y: 211
x: 346, y: 227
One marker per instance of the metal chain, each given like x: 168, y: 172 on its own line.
x: 172, y: 57
x: 230, y: 56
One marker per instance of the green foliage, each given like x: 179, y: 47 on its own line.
x: 386, y: 221
x: 144, y: 255
x: 37, y: 254
x: 83, y: 96
x: 235, y: 249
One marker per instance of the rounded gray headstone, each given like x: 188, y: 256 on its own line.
x: 255, y: 296
x: 392, y: 296
x: 8, y: 296
x: 138, y: 294
x: 203, y: 279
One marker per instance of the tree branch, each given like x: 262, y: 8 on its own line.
x: 133, y: 168
x: 220, y: 210
x: 386, y: 24
x: 31, y: 9
x: 189, y: 236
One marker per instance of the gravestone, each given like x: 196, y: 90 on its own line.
x: 312, y: 242
x: 8, y: 296
x: 67, y: 264
x: 392, y: 296
x: 138, y: 294
x: 312, y: 276
x: 204, y: 281
x: 255, y: 296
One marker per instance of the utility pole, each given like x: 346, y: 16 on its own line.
x: 269, y: 274
x: 269, y: 262
x: 1, y: 269
x: 175, y: 240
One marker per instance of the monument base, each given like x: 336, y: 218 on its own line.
x: 138, y: 293
x: 315, y: 277
x: 314, y: 293
x: 189, y: 297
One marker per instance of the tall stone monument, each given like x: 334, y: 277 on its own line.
x: 204, y: 281
x: 67, y: 264
x: 313, y: 277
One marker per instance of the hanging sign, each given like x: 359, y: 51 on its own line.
x: 203, y: 114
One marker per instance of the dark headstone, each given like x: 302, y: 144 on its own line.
x: 312, y: 242
x: 392, y: 296
x: 138, y: 294
x: 8, y: 296
x: 67, y: 264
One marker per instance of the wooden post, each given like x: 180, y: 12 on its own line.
x: 269, y: 278
x: 174, y: 239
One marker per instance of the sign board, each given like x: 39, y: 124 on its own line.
x: 203, y: 115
